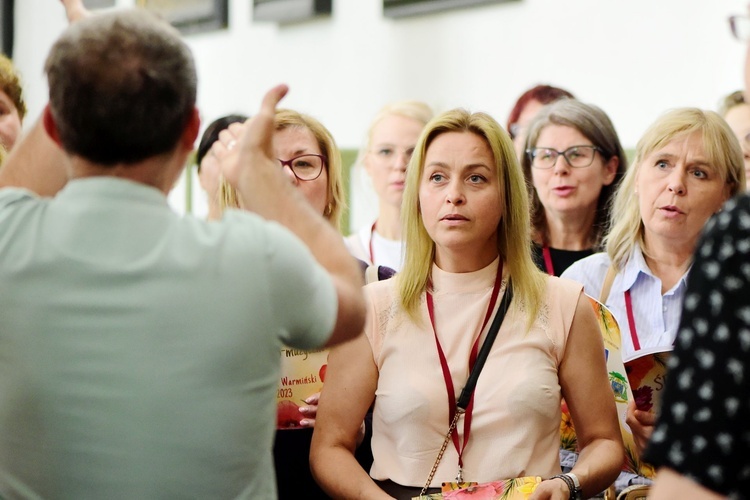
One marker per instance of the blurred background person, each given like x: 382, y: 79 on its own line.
x: 573, y: 165
x: 390, y: 142
x: 12, y: 105
x: 736, y: 111
x: 525, y: 110
x: 207, y: 165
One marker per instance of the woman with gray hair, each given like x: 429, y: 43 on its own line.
x: 573, y: 164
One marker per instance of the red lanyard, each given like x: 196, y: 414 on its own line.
x: 372, y: 234
x: 548, y: 260
x: 472, y: 359
x: 631, y: 321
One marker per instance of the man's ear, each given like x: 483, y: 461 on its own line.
x: 50, y: 126
x: 192, y: 128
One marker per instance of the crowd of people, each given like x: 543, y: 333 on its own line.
x: 143, y: 352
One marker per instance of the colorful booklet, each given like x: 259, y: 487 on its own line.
x: 618, y: 380
x: 302, y: 375
x: 646, y: 373
x: 519, y: 488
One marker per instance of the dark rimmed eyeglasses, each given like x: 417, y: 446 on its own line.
x: 307, y: 167
x: 576, y: 156
x: 740, y: 26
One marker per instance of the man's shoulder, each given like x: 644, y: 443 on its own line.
x: 240, y: 232
x: 11, y: 195
x: 17, y: 204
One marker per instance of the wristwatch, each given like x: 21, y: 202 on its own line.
x: 573, y: 485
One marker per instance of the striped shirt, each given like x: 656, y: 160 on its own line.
x: 656, y: 315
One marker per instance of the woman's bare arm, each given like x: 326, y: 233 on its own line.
x: 347, y: 394
x: 586, y: 389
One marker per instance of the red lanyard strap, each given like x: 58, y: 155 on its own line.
x: 476, y: 361
x: 548, y: 260
x: 372, y: 235
x: 631, y: 321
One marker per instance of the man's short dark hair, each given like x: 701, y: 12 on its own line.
x: 122, y: 87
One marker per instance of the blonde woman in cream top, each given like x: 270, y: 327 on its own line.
x: 467, y: 231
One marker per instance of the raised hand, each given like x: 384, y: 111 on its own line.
x: 75, y: 10
x: 249, y: 145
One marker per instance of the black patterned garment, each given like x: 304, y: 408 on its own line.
x: 703, y: 431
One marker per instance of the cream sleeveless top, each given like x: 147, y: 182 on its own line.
x: 516, y: 417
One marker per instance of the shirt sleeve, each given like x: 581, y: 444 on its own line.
x: 302, y: 292
x: 590, y: 273
x: 702, y: 431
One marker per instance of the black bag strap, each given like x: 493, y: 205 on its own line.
x: 463, y: 399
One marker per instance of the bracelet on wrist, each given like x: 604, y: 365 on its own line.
x: 574, y: 487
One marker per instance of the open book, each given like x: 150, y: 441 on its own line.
x: 646, y: 373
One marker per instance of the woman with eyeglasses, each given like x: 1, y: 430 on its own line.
x: 308, y: 154
x: 687, y: 164
x: 390, y: 143
x: 573, y: 164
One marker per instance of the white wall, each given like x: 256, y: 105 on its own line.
x: 634, y: 59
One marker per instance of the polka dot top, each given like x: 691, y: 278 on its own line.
x: 703, y: 431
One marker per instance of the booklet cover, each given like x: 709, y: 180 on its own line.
x: 302, y: 375
x: 519, y: 488
x: 646, y: 374
x: 618, y: 380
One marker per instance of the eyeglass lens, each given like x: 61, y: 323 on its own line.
x: 577, y: 156
x: 305, y: 167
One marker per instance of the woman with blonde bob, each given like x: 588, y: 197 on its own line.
x: 687, y: 164
x: 466, y: 224
x: 324, y: 187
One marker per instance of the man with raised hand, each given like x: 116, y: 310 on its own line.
x: 139, y: 348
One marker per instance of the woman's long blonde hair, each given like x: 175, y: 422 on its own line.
x: 721, y: 148
x: 336, y: 199
x: 513, y: 231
